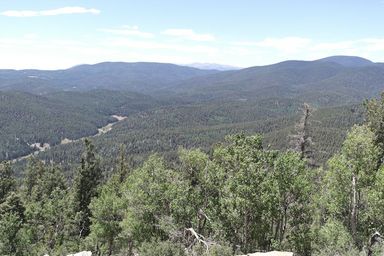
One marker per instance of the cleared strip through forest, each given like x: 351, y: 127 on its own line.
x: 102, y: 130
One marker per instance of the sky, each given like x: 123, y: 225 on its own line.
x: 56, y: 34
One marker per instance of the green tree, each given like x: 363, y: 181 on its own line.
x: 7, y: 181
x: 107, y: 213
x: 264, y: 196
x: 47, y: 211
x: 247, y: 192
x: 87, y: 180
x: 147, y: 195
x: 164, y: 248
x: 12, y: 219
x: 190, y: 204
x: 349, y: 179
x: 334, y: 239
x: 294, y: 213
x: 375, y: 120
x: 33, y: 173
x: 375, y: 209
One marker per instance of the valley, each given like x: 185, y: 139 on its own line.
x: 171, y: 152
x: 191, y: 107
x: 42, y: 147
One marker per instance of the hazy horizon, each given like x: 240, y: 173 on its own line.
x: 182, y: 64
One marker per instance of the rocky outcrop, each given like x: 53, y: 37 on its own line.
x: 376, y: 242
x: 84, y: 253
x: 273, y: 253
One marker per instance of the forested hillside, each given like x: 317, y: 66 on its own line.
x: 139, y: 77
x: 165, y: 129
x: 238, y: 198
x: 27, y: 119
x: 182, y: 106
x: 322, y: 82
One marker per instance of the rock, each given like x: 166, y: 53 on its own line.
x: 84, y: 253
x: 375, y: 242
x: 273, y: 253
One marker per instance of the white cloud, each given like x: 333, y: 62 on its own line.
x: 284, y: 44
x: 374, y: 44
x: 36, y: 51
x: 343, y: 45
x: 127, y: 31
x: 273, y: 50
x: 149, y: 45
x: 188, y: 34
x: 57, y: 53
x: 53, y: 12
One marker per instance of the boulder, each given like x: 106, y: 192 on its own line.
x: 84, y: 253
x: 273, y: 253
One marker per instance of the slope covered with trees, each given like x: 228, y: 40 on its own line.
x: 240, y: 197
x: 27, y: 119
x: 164, y: 129
x: 138, y: 77
x: 187, y: 106
x: 322, y: 83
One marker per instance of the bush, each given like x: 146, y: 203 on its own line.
x: 214, y: 250
x: 334, y: 239
x: 165, y: 248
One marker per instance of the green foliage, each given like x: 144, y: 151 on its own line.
x: 164, y: 129
x: 239, y: 197
x: 161, y: 249
x: 28, y: 119
x: 166, y: 248
x: 88, y: 177
x: 13, y: 204
x: 7, y: 181
x: 107, y: 213
x: 334, y: 239
x: 11, y: 224
x: 147, y: 193
x: 264, y: 196
x: 214, y: 250
x: 375, y: 212
x: 349, y: 179
x: 375, y: 119
x: 47, y: 211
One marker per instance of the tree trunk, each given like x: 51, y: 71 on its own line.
x: 354, y: 208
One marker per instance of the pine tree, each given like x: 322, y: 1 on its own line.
x: 375, y: 120
x: 302, y: 140
x: 12, y: 218
x: 7, y: 181
x: 124, y: 165
x: 88, y: 178
x: 47, y: 210
x: 33, y: 173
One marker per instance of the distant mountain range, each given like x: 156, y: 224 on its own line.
x: 139, y: 77
x: 348, y: 61
x: 335, y: 80
x: 212, y: 66
x: 346, y: 75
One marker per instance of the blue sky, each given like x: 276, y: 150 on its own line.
x: 52, y: 34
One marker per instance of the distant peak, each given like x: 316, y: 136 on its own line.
x: 212, y: 66
x: 348, y: 61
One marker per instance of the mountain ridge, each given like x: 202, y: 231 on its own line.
x: 348, y: 61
